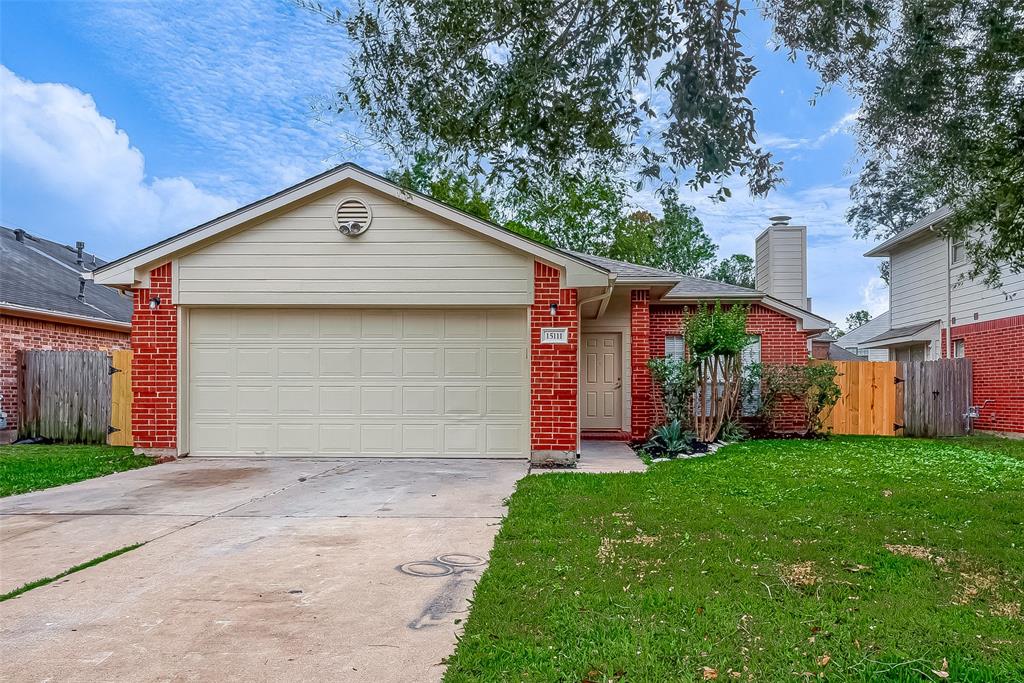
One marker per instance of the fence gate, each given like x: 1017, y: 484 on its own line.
x: 908, y: 398
x: 76, y: 396
x: 938, y: 393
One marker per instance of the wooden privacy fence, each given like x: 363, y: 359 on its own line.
x: 76, y: 396
x: 909, y: 398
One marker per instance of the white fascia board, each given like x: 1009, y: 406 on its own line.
x: 128, y: 271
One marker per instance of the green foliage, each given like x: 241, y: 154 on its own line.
x: 732, y: 432
x: 814, y: 384
x: 737, y: 270
x: 714, y: 331
x: 677, y: 380
x: 675, y: 242
x: 670, y: 440
x: 856, y: 319
x: 941, y: 121
x: 537, y: 90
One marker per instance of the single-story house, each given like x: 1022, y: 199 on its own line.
x: 348, y: 316
x: 45, y: 304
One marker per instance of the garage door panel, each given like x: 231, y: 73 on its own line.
x: 505, y: 362
x: 339, y: 401
x: 254, y: 362
x: 296, y: 362
x: 463, y: 362
x: 421, y: 362
x: 255, y: 400
x: 359, y: 382
x: 379, y: 400
x: 421, y: 400
x: 339, y: 362
x: 378, y: 438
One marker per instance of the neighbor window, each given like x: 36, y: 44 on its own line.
x: 674, y: 346
x: 958, y: 348
x: 959, y: 252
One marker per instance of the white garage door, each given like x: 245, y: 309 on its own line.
x: 359, y: 382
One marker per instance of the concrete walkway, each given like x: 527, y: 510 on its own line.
x: 602, y: 457
x: 255, y: 569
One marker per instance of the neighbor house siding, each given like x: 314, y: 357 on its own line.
x: 155, y: 364
x: 407, y: 257
x: 972, y: 297
x: 917, y: 283
x: 554, y: 368
x: 18, y: 334
x: 994, y: 348
x: 781, y: 343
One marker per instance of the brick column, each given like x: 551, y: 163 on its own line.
x: 155, y: 367
x: 554, y: 371
x: 642, y: 416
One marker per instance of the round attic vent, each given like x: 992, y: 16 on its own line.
x: 352, y: 217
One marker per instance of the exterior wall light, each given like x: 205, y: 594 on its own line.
x: 553, y: 309
x: 154, y: 302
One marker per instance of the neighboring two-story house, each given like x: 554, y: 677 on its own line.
x: 936, y: 311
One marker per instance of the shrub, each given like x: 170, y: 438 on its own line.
x: 677, y: 380
x: 670, y: 440
x: 814, y: 384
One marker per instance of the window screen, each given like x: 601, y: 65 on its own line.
x: 674, y: 346
x: 752, y: 354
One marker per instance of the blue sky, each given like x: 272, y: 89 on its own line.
x: 123, y: 123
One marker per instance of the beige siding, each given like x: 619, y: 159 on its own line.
x: 781, y: 253
x: 406, y: 258
x: 972, y: 297
x: 918, y: 282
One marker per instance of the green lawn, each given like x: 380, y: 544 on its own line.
x: 859, y: 559
x: 30, y: 468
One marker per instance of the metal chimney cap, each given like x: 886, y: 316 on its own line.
x: 780, y: 220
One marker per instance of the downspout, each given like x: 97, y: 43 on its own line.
x: 949, y: 299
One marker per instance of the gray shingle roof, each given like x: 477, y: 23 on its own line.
x: 40, y: 274
x: 900, y: 332
x: 623, y: 269
x: 686, y: 286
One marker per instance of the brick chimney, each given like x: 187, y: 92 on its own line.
x: 781, y: 262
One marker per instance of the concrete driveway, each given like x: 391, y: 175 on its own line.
x: 256, y: 569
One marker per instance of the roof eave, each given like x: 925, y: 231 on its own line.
x: 61, y: 317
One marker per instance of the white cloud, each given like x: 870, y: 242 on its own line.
x: 785, y: 143
x: 67, y: 167
x: 875, y: 296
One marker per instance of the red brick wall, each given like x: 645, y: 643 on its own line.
x: 39, y: 335
x: 781, y: 342
x: 642, y: 415
x: 554, y: 368
x: 155, y: 364
x: 996, y: 350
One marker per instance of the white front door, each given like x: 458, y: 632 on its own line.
x: 602, y: 380
x: 359, y: 382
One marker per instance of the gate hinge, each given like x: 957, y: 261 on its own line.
x: 111, y: 429
x: 897, y: 380
x: 896, y: 427
x: 112, y: 370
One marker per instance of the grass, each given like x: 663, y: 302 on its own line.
x: 851, y: 559
x: 34, y: 467
x: 77, y: 568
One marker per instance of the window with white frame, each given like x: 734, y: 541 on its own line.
x: 751, y: 355
x: 959, y: 252
x: 675, y: 346
x: 958, y: 348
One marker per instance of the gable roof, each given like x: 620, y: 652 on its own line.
x: 131, y: 269
x: 901, y: 335
x: 918, y: 228
x: 880, y: 323
x: 628, y: 272
x: 41, y: 276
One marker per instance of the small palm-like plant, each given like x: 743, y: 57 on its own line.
x: 671, y: 440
